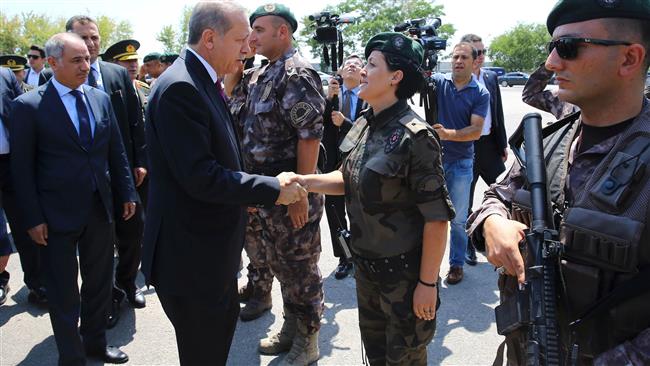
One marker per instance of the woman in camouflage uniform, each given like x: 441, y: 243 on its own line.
x: 398, y: 206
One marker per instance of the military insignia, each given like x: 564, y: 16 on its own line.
x: 300, y: 111
x: 11, y: 63
x: 398, y: 42
x: 130, y: 48
x: 393, y: 140
x: 269, y: 8
x: 609, y: 4
x: 267, y: 91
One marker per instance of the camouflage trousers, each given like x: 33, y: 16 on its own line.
x: 390, y: 331
x: 277, y: 249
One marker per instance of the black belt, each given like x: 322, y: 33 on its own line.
x: 394, y: 264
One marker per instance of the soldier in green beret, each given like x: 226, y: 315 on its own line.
x: 397, y: 203
x: 17, y: 64
x: 599, y: 184
x: 152, y: 65
x: 167, y: 59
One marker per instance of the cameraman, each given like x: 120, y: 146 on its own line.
x: 338, y: 121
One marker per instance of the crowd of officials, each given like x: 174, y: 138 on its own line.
x: 180, y: 164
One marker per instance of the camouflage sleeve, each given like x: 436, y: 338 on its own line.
x: 426, y: 178
x: 237, y: 100
x: 647, y: 91
x: 634, y: 352
x: 303, y: 104
x: 535, y: 95
x: 496, y: 201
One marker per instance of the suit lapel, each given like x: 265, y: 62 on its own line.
x: 96, y: 110
x: 107, y: 78
x: 58, y: 113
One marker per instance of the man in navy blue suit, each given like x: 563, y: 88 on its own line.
x: 67, y: 163
x: 196, y: 213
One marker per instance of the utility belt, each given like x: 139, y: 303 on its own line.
x: 389, y: 265
x: 275, y: 168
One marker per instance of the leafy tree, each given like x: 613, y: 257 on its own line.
x: 113, y: 31
x: 522, y: 48
x: 375, y: 16
x: 172, y: 39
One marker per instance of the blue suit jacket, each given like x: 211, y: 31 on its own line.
x: 9, y: 89
x: 52, y: 173
x: 196, y: 217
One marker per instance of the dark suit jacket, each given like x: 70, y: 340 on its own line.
x: 9, y: 89
x: 498, y: 131
x: 127, y: 111
x: 333, y: 135
x: 43, y: 77
x: 196, y: 217
x: 52, y: 173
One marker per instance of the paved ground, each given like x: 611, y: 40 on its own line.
x: 466, y: 333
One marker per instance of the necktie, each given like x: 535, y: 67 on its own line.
x: 347, y: 104
x: 85, y: 135
x: 220, y: 90
x: 92, y: 81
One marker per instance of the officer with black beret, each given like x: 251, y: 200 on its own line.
x: 599, y: 184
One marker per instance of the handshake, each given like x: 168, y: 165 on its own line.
x: 291, y: 188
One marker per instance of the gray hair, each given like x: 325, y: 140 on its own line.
x: 55, y: 45
x: 213, y: 15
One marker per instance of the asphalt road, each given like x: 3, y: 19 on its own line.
x: 465, y: 335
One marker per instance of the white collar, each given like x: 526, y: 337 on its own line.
x: 62, y: 89
x: 208, y: 68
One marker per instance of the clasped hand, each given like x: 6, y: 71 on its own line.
x: 291, y: 189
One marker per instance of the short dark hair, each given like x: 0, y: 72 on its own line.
x: 622, y: 28
x: 471, y: 38
x: 36, y: 48
x: 467, y: 44
x: 353, y: 56
x: 82, y: 19
x: 413, y: 79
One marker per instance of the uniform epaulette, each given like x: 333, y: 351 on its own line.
x: 142, y: 84
x: 414, y: 123
x: 297, y: 61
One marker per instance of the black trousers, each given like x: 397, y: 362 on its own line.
x: 335, y: 211
x: 488, y: 163
x: 204, y: 326
x: 94, y: 242
x: 28, y: 251
x: 128, y: 243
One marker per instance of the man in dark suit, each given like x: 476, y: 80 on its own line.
x: 337, y: 122
x: 196, y: 214
x: 9, y: 89
x: 491, y: 150
x: 114, y: 80
x: 67, y: 164
x: 36, y: 74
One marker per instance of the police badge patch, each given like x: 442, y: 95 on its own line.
x: 393, y: 140
x: 300, y: 112
x: 398, y: 42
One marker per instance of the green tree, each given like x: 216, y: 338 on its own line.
x: 113, y: 31
x: 375, y: 16
x: 522, y: 48
x: 172, y: 39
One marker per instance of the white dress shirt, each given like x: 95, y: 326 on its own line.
x: 94, y: 68
x: 487, y: 124
x: 33, y: 77
x: 208, y: 68
x: 70, y: 103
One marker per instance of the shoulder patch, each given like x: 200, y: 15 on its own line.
x: 142, y: 84
x: 414, y: 124
x: 300, y: 111
x: 393, y: 140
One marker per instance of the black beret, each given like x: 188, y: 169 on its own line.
x: 396, y: 44
x: 574, y: 11
x: 168, y: 57
x: 14, y: 62
x: 277, y: 10
x: 122, y: 51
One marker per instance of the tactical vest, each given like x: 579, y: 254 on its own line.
x: 605, y: 237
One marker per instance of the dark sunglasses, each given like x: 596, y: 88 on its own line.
x: 481, y: 52
x: 36, y: 57
x: 567, y: 48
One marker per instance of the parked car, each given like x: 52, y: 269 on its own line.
x: 325, y: 80
x: 513, y: 78
x: 500, y: 71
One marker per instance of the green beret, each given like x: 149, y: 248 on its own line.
x: 122, y: 51
x: 277, y: 10
x: 574, y: 11
x: 396, y: 44
x: 152, y: 56
x: 14, y: 62
x: 168, y: 57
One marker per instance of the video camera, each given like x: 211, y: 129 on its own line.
x: 427, y: 35
x: 328, y: 34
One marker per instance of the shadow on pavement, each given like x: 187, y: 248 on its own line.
x: 44, y: 353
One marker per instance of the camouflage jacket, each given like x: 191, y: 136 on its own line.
x: 142, y: 91
x: 394, y: 181
x: 546, y: 100
x: 274, y: 106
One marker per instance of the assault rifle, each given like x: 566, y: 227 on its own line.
x: 533, y: 309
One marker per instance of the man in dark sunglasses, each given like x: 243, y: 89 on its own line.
x: 36, y: 74
x: 598, y: 184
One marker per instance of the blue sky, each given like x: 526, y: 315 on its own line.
x: 483, y: 17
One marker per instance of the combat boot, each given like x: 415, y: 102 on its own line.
x: 257, y: 304
x: 281, y: 341
x: 245, y: 292
x: 304, y: 349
